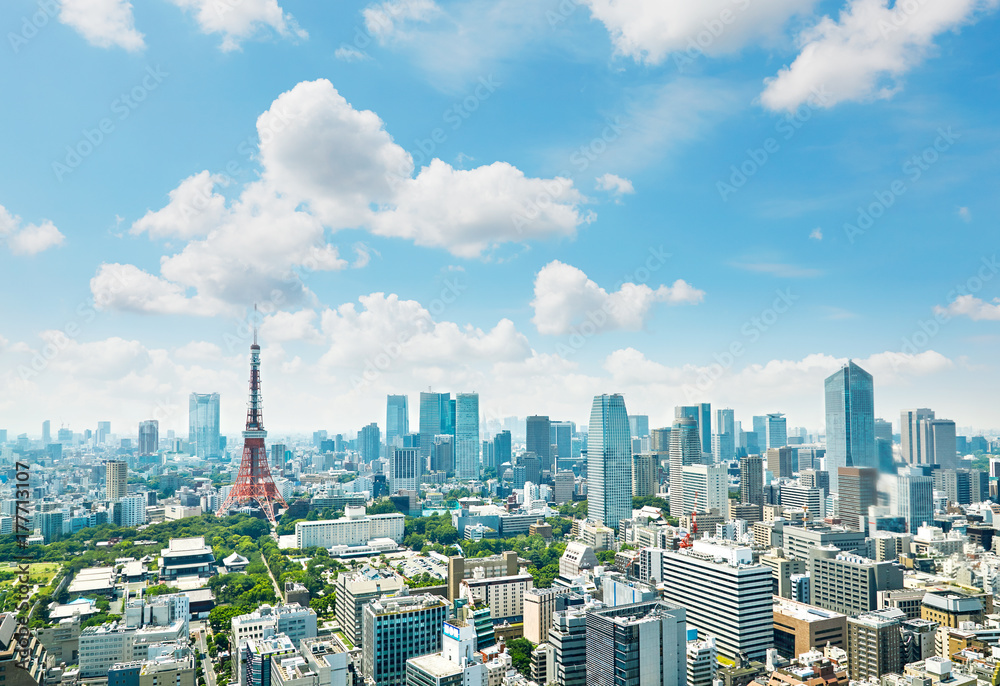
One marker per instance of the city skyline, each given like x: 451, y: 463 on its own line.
x: 651, y: 191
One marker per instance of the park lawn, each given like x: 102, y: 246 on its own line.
x: 40, y: 573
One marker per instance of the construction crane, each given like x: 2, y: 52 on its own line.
x: 688, y: 540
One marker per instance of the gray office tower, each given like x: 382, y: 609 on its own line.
x: 467, y: 436
x: 435, y: 418
x: 685, y: 449
x: 203, y: 425
x: 538, y: 439
x: 639, y: 644
x: 397, y: 421
x: 501, y: 449
x: 850, y: 421
x: 149, y: 437
x: 609, y: 461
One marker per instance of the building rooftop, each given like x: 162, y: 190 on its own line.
x: 803, y: 611
x: 436, y: 665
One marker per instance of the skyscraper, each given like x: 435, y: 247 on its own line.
x: 911, y: 447
x: 777, y: 433
x: 685, y: 449
x: 609, y: 464
x: 149, y: 437
x: 857, y: 494
x: 724, y: 437
x: 758, y: 444
x: 779, y: 462
x: 914, y: 498
x: 638, y: 425
x: 369, y: 442
x: 467, y: 436
x: 46, y: 432
x: 538, y: 439
x: 103, y: 430
x: 702, y: 415
x: 850, y: 421
x: 115, y: 479
x: 752, y: 480
x: 397, y: 421
x: 501, y: 448
x: 435, y: 417
x: 561, y: 436
x: 883, y: 429
x: 203, y: 425
x: 939, y: 443
x: 405, y: 469
x: 646, y: 641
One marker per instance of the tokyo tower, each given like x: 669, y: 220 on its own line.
x: 254, y: 482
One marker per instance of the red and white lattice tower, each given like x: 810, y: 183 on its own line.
x: 254, y: 482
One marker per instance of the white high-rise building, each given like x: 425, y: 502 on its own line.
x: 725, y: 595
x: 685, y: 449
x: 133, y: 510
x: 911, y: 447
x: 609, y: 463
x: 405, y: 469
x: 706, y: 487
x: 467, y: 436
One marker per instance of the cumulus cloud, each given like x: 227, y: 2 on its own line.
x: 327, y: 166
x: 614, y: 184
x: 104, y: 23
x: 972, y: 307
x: 28, y: 239
x: 565, y: 298
x: 127, y: 288
x: 650, y: 30
x: 864, y: 54
x: 240, y: 20
x: 194, y: 210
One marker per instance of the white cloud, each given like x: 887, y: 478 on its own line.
x: 616, y: 185
x: 972, y: 307
x: 239, y: 20
x: 349, y: 53
x: 386, y: 19
x: 964, y: 214
x: 104, y: 23
x: 126, y: 287
x: 194, y: 209
x: 327, y: 166
x: 866, y: 52
x: 817, y: 234
x: 650, y: 30
x: 565, y: 298
x: 28, y: 239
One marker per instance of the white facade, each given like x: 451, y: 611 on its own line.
x: 504, y: 594
x: 706, y: 487
x: 349, y: 530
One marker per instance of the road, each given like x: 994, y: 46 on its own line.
x: 201, y: 632
x: 277, y: 588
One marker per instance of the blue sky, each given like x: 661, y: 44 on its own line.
x: 425, y: 193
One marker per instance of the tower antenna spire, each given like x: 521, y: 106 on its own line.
x: 255, y: 323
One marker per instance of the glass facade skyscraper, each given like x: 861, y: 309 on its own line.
x: 203, y: 425
x: 537, y: 430
x: 609, y: 463
x: 685, y: 449
x: 467, y: 435
x: 397, y: 420
x: 435, y: 419
x: 850, y: 421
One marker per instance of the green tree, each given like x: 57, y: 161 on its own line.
x: 520, y: 654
